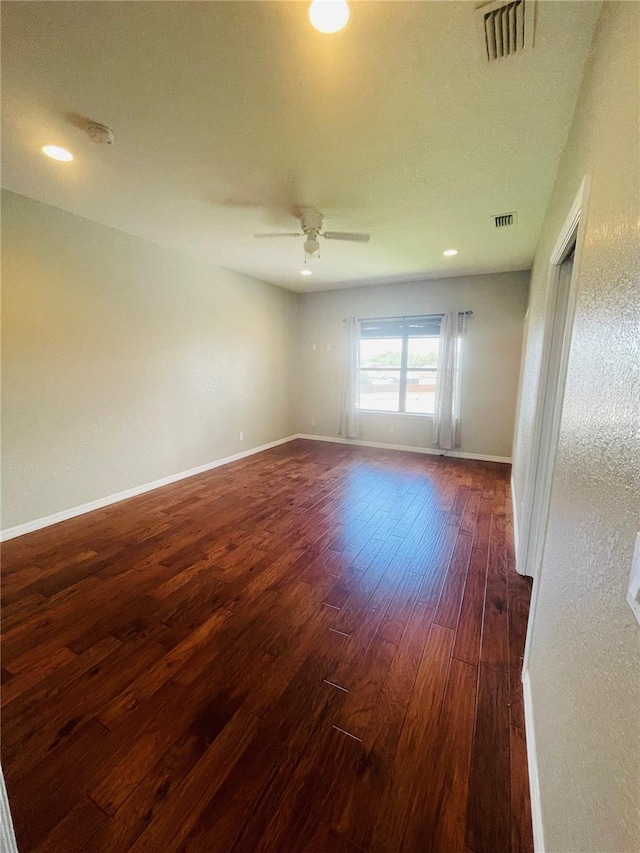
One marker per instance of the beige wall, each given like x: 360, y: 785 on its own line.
x: 491, y: 357
x: 124, y: 362
x: 585, y: 679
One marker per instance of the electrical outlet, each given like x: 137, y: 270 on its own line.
x: 314, y: 346
x: 241, y: 436
x: 313, y: 421
x: 392, y: 429
x: 329, y: 347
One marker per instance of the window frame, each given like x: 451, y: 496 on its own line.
x: 404, y: 369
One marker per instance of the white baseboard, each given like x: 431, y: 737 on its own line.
x: 514, y: 510
x: 47, y: 521
x: 432, y: 451
x: 532, y: 760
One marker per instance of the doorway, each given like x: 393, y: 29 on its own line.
x: 563, y: 273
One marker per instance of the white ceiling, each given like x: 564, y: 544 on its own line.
x: 227, y: 114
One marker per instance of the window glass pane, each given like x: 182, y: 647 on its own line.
x: 421, y: 383
x: 423, y: 352
x: 380, y: 390
x: 385, y: 352
x: 421, y: 391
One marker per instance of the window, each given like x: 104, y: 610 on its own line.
x: 398, y: 364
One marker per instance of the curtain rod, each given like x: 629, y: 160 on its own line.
x: 407, y: 317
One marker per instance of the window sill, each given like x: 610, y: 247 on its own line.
x: 396, y: 414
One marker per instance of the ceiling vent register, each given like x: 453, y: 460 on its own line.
x: 506, y: 27
x: 503, y: 220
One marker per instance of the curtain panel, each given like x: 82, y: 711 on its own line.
x: 446, y: 417
x: 349, y: 418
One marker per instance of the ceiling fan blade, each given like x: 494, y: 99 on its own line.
x: 345, y: 235
x: 283, y: 234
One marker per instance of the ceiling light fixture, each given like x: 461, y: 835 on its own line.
x: 57, y: 153
x: 311, y: 244
x: 306, y: 272
x: 449, y: 253
x: 329, y: 16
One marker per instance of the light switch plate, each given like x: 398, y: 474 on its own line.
x: 633, y: 593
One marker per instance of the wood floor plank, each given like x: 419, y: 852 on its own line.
x: 521, y: 829
x: 31, y: 738
x: 482, y: 531
x: 325, y: 838
x: 495, y: 628
x: 497, y: 565
x: 436, y: 565
x: 315, y: 792
x: 138, y: 810
x: 470, y: 512
x: 279, y: 654
x: 385, y: 724
x: 29, y: 670
x: 76, y: 830
x: 395, y: 619
x: 222, y: 818
x: 419, y: 733
x: 76, y: 762
x: 365, y: 688
x: 489, y: 804
x: 438, y: 820
x: 469, y: 628
x: 189, y: 798
x: 453, y: 588
x: 305, y: 731
x: 360, y: 813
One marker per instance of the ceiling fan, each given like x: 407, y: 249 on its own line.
x: 311, y: 222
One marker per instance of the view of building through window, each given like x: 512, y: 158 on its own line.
x: 398, y: 374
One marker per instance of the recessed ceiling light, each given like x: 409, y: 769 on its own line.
x: 306, y: 272
x: 329, y: 16
x: 57, y: 153
x: 449, y: 253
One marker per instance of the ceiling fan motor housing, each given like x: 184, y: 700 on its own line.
x: 311, y: 220
x: 311, y: 223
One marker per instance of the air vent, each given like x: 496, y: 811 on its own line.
x: 503, y: 220
x: 506, y: 27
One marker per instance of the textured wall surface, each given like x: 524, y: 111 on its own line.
x: 491, y: 364
x: 585, y: 677
x: 123, y: 362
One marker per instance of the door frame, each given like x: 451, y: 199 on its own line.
x: 542, y: 464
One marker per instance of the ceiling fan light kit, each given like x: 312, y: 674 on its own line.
x: 311, y: 245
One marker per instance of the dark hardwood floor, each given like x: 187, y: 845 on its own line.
x: 317, y: 648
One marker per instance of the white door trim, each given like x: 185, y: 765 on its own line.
x: 532, y: 763
x: 7, y: 835
x: 532, y: 533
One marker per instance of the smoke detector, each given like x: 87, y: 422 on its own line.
x: 100, y: 133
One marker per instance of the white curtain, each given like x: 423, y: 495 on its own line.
x: 349, y: 420
x: 446, y: 418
